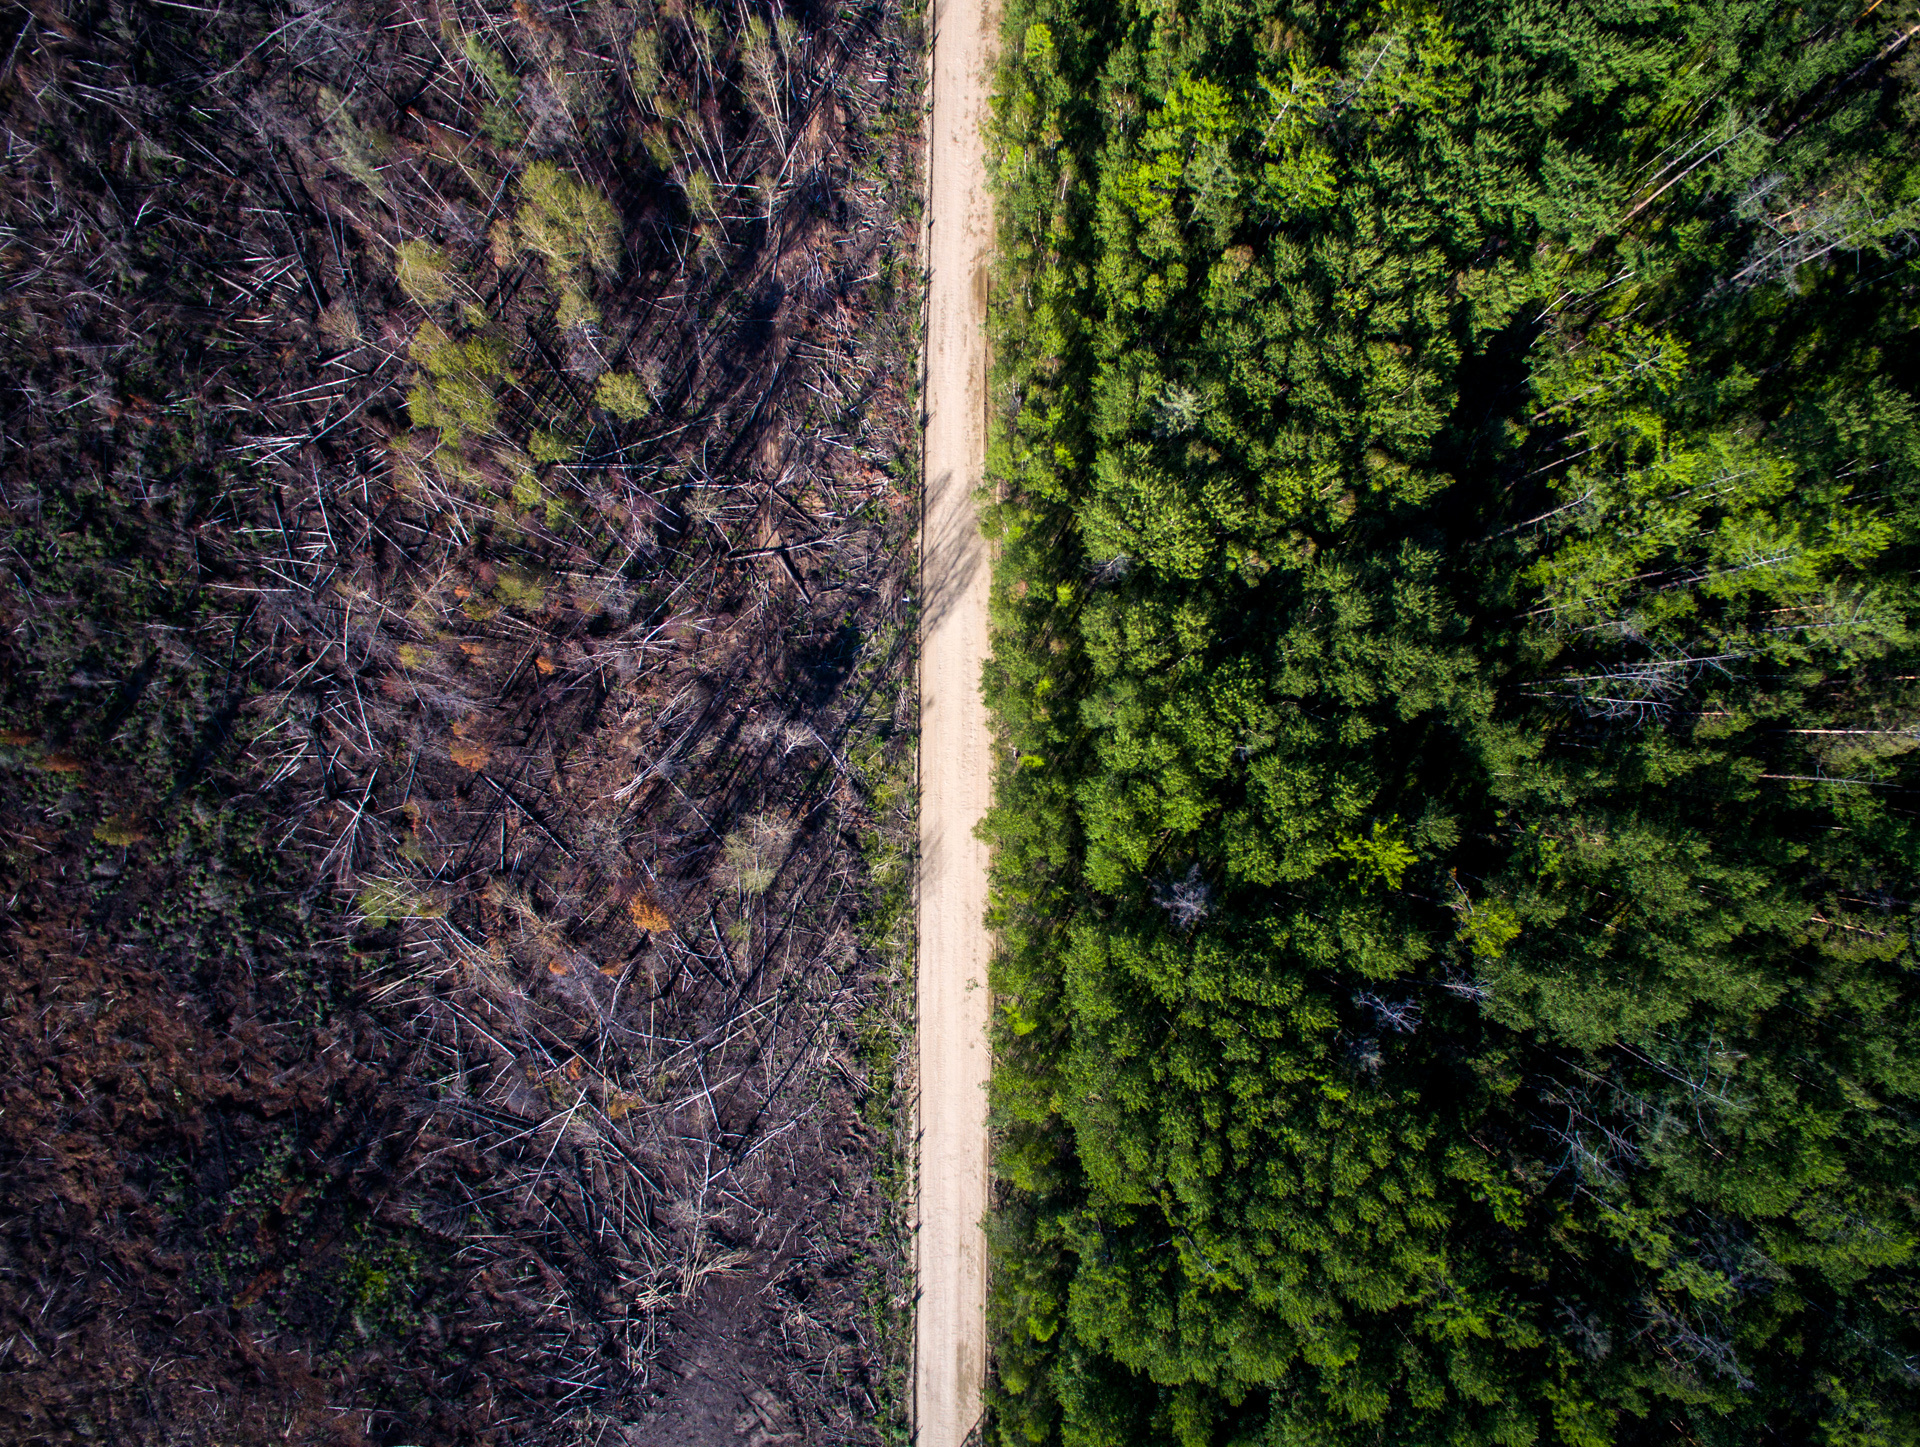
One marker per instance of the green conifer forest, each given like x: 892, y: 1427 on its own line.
x: 1456, y: 485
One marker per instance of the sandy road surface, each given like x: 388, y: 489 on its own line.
x: 950, y: 1323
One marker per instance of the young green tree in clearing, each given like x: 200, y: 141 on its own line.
x: 622, y: 394
x: 424, y: 273
x: 566, y: 223
x: 454, y: 391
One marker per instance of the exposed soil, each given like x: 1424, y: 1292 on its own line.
x: 455, y: 722
x: 955, y: 768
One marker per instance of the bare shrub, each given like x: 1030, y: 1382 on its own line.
x: 754, y: 852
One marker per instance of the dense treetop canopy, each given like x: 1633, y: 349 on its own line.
x: 1458, y: 496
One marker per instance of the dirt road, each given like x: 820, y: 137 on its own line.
x: 950, y: 1325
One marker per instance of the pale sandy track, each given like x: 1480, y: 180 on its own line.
x: 950, y: 1321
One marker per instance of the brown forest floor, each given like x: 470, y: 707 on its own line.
x: 454, y: 880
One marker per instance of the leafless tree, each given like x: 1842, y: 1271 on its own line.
x: 1186, y: 898
x: 1400, y: 1016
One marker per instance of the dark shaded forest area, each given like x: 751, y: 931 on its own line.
x: 455, y: 720
x: 1459, y: 690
